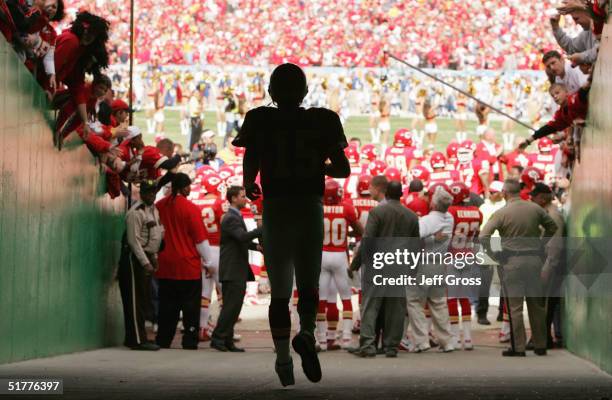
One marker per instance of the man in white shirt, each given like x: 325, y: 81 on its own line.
x: 558, y: 67
x: 436, y: 230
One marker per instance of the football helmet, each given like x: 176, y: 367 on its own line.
x: 459, y: 191
x: 377, y: 167
x: 363, y: 185
x: 420, y: 172
x: 333, y: 192
x: 545, y: 145
x: 531, y: 176
x: 213, y: 184
x: 393, y: 174
x: 369, y: 152
x: 352, y: 154
x: 402, y: 138
x: 437, y: 160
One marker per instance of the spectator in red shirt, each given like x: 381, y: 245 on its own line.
x: 79, y: 50
x: 572, y: 107
x: 69, y: 117
x: 185, y: 253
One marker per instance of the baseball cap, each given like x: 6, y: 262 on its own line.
x: 540, y: 188
x: 148, y: 186
x: 496, y: 186
x: 209, y: 134
x: 133, y: 131
x: 118, y: 105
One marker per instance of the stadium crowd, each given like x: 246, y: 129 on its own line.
x: 471, y: 172
x: 348, y: 33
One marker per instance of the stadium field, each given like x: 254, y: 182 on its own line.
x: 354, y: 127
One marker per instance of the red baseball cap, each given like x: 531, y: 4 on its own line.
x: 119, y: 105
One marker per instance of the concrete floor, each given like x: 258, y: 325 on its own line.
x: 119, y: 373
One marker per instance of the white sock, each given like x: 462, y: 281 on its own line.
x: 467, y: 331
x: 455, y: 335
x: 322, y: 333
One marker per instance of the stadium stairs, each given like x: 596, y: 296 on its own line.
x: 59, y: 236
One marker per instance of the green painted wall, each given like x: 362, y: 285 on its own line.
x: 58, y: 235
x: 588, y: 315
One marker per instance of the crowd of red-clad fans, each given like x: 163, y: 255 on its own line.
x: 493, y: 34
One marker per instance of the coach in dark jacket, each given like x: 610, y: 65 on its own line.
x: 234, y: 269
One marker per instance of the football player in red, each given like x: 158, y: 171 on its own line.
x: 393, y: 174
x: 473, y: 172
x: 236, y: 165
x: 544, y: 159
x: 439, y: 172
x: 338, y: 216
x: 363, y: 204
x: 451, y: 154
x: 421, y: 173
x: 369, y: 153
x: 465, y: 231
x: 349, y: 184
x: 212, y: 204
x: 376, y: 168
x: 488, y: 149
x: 415, y: 198
x: 401, y: 155
x: 226, y: 172
x: 529, y: 177
x: 516, y: 158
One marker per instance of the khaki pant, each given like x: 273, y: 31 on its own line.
x: 521, y: 279
x: 435, y: 298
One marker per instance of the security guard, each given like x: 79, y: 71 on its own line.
x: 140, y: 245
x: 519, y: 224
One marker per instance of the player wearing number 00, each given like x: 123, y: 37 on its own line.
x: 401, y: 155
x: 338, y: 216
x: 467, y: 221
x: 292, y: 148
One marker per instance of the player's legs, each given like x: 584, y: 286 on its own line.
x: 208, y: 284
x: 453, y: 313
x: 278, y: 243
x: 333, y: 314
x: 298, y: 244
x: 466, y: 322
x: 308, y: 253
x: 324, y: 289
x: 339, y: 270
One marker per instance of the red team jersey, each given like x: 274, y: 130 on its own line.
x: 489, y: 154
x: 466, y: 228
x: 447, y: 177
x: 399, y: 157
x: 546, y: 164
x: 516, y: 159
x: 336, y: 220
x: 212, y: 209
x: 349, y: 185
x: 363, y: 205
x: 469, y: 174
x: 414, y: 202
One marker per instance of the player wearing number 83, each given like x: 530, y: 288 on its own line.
x: 293, y: 149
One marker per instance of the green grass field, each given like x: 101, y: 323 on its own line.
x: 354, y: 127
